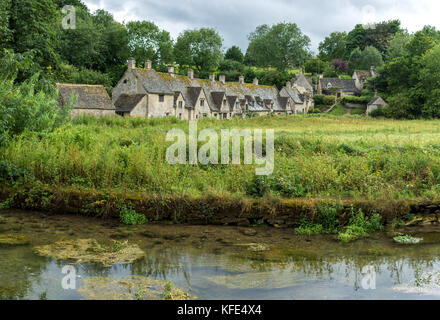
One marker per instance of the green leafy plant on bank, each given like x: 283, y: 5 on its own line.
x: 326, y: 221
x: 129, y: 216
x: 360, y: 226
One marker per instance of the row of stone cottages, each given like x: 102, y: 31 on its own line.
x: 148, y: 93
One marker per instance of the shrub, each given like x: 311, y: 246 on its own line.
x: 131, y: 217
x: 359, y: 226
x: 356, y: 100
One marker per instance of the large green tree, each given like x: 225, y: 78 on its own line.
x: 147, y: 42
x: 234, y: 53
x: 397, y: 45
x: 201, y: 49
x: 34, y: 25
x: 333, y: 47
x: 282, y: 45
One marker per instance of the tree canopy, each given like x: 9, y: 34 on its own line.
x: 282, y: 46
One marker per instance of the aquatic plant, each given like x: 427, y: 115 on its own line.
x: 406, y: 239
x: 131, y: 217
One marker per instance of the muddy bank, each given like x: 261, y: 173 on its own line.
x: 213, y: 210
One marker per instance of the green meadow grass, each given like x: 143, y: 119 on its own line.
x: 316, y: 156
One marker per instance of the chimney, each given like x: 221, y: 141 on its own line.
x: 222, y: 79
x: 148, y: 64
x: 171, y: 69
x: 288, y: 84
x: 241, y: 80
x: 131, y: 63
x: 212, y: 77
x: 191, y: 74
x: 321, y: 76
x: 256, y: 81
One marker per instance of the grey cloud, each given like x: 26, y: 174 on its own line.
x: 235, y: 19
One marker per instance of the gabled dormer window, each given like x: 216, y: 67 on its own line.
x: 202, y: 102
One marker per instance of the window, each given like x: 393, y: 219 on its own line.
x: 225, y: 115
x: 205, y: 115
x: 180, y: 104
x: 161, y: 98
x: 202, y: 102
x: 215, y: 115
x: 237, y: 105
x: 180, y: 115
x: 167, y: 114
x: 125, y: 81
x: 224, y: 103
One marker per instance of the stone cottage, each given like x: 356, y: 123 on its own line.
x: 148, y: 93
x: 91, y: 99
x: 361, y: 76
x: 376, y: 103
x: 338, y: 86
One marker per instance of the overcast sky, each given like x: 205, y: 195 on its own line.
x: 235, y: 19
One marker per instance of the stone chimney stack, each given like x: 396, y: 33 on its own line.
x: 171, y: 69
x: 256, y: 81
x: 288, y: 85
x: 212, y: 77
x: 191, y: 74
x: 222, y: 78
x: 131, y: 63
x: 241, y: 80
x: 148, y: 64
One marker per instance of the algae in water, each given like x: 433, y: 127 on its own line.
x: 89, y: 250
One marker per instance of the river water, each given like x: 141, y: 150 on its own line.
x: 212, y: 262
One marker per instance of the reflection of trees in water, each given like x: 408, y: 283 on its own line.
x: 20, y: 268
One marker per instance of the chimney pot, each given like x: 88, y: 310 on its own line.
x: 222, y: 79
x: 288, y: 84
x: 191, y: 74
x: 212, y: 77
x: 131, y: 63
x: 256, y: 81
x: 148, y: 64
x: 241, y: 80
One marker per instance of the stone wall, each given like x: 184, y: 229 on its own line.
x: 95, y: 112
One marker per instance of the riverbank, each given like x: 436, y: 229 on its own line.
x: 282, y: 213
x: 93, y: 166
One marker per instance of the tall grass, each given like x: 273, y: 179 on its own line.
x: 315, y: 156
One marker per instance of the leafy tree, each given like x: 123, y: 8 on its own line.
x: 355, y: 39
x: 397, y: 45
x: 355, y: 59
x: 333, y: 46
x: 371, y: 57
x: 340, y: 66
x: 199, y: 48
x: 147, y: 42
x: 430, y: 78
x: 82, y: 46
x: 315, y: 65
x: 234, y: 53
x: 35, y: 25
x: 5, y: 32
x: 282, y: 46
x: 380, y: 35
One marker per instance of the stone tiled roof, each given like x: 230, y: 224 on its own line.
x: 217, y: 98
x: 293, y: 94
x: 346, y: 85
x: 164, y: 83
x: 377, y: 101
x: 302, y: 81
x: 126, y: 103
x: 89, y: 96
